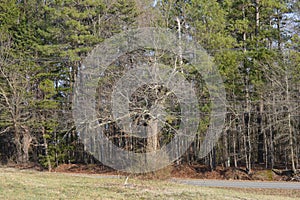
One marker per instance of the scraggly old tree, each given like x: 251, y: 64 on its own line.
x: 14, y: 98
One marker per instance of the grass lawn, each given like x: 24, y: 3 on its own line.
x: 16, y: 184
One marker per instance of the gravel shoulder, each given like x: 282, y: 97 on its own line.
x: 240, y: 184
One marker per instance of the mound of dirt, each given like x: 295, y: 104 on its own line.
x: 185, y: 171
x: 25, y: 166
x: 87, y: 169
x: 235, y: 174
x: 204, y: 172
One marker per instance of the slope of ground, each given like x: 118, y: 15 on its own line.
x: 30, y: 184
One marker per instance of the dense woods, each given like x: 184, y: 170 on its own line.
x: 254, y: 43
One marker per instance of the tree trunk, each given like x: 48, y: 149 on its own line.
x: 226, y: 157
x: 152, y: 142
x: 17, y: 142
x: 26, y: 143
x: 19, y: 153
x: 260, y: 142
x: 290, y: 125
x: 22, y: 141
x: 46, y: 149
x: 234, y: 149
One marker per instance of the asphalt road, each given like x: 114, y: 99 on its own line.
x: 241, y: 184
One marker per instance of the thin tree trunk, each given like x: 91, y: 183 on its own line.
x: 180, y: 45
x: 290, y: 125
x: 260, y: 142
x: 247, y: 142
x: 266, y: 149
x: 46, y: 149
x: 226, y: 157
x: 234, y: 149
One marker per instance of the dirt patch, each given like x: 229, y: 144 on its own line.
x: 204, y: 172
x: 236, y: 174
x: 26, y: 166
x: 86, y: 169
x: 176, y: 171
x: 185, y: 171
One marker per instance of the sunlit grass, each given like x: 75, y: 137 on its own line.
x: 16, y: 184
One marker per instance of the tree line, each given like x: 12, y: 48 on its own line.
x: 254, y: 44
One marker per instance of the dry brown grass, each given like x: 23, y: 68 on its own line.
x: 18, y: 184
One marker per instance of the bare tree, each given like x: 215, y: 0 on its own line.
x: 14, y: 93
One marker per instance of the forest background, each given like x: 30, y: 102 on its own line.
x: 255, y: 44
